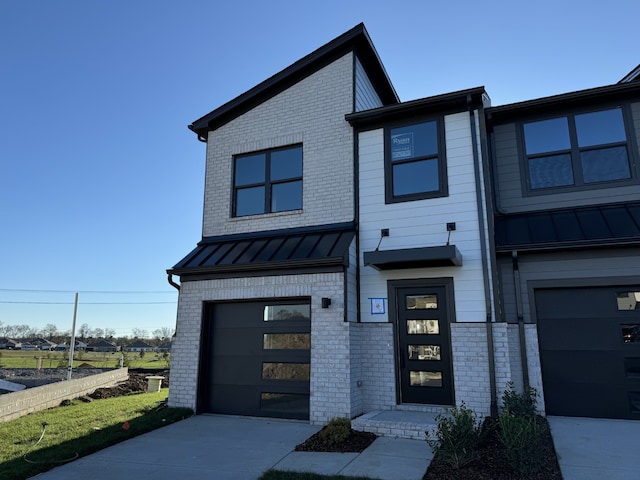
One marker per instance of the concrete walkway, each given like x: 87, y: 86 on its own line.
x: 240, y: 448
x: 596, y: 448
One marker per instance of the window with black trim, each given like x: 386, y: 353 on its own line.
x: 268, y: 181
x: 415, y: 167
x: 577, y: 150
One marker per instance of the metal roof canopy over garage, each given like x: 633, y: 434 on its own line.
x: 319, y: 246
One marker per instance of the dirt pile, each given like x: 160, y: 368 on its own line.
x: 137, y: 382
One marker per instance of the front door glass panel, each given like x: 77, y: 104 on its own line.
x: 425, y: 379
x: 424, y: 352
x: 421, y: 302
x: 423, y: 327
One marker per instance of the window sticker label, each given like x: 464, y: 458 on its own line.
x: 402, y: 145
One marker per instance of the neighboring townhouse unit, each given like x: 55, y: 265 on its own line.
x: 361, y: 254
x: 567, y: 225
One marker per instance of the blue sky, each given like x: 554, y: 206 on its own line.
x: 101, y: 182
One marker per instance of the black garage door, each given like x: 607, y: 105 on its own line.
x: 256, y: 359
x: 590, y: 351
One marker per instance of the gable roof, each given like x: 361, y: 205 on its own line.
x: 102, y: 343
x: 357, y: 39
x: 139, y: 343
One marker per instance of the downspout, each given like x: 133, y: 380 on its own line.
x: 485, y: 265
x: 523, y: 341
x: 171, y: 282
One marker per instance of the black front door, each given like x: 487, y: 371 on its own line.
x: 423, y: 345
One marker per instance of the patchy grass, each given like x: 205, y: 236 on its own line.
x: 79, y: 429
x: 28, y: 359
x: 282, y: 475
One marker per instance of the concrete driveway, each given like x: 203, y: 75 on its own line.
x: 596, y: 448
x: 240, y: 448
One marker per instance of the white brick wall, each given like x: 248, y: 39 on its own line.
x: 330, y: 352
x: 310, y: 112
x: 471, y: 366
x: 375, y: 356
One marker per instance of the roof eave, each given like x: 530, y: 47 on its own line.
x: 565, y: 100
x: 458, y: 100
x: 357, y: 39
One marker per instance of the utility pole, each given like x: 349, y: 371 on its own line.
x: 73, y: 338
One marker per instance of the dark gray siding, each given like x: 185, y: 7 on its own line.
x: 582, y: 268
x: 366, y: 96
x: 510, y: 184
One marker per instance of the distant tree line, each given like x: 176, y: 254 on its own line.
x: 85, y: 333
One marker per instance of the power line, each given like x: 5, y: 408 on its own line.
x: 89, y: 303
x: 119, y: 292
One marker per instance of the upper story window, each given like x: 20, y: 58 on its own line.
x: 415, y: 166
x: 268, y: 181
x: 577, y: 150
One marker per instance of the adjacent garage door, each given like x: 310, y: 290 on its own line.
x: 256, y: 359
x: 590, y: 350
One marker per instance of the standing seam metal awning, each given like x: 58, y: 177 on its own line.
x: 569, y: 227
x: 326, y: 245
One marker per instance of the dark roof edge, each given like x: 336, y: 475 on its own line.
x: 600, y: 206
x: 631, y: 76
x: 583, y: 244
x: 598, y: 94
x: 357, y: 39
x: 344, y: 226
x: 257, y: 267
x: 452, y: 100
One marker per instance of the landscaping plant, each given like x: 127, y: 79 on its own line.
x: 337, y: 431
x: 456, y: 437
x: 522, y: 432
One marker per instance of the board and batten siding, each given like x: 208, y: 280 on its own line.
x: 366, y: 96
x: 311, y: 112
x: 422, y: 223
x: 511, y: 177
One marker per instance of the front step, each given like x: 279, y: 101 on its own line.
x: 396, y: 423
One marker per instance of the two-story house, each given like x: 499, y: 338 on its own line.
x: 361, y: 254
x: 567, y: 230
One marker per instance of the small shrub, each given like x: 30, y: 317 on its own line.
x: 337, y: 431
x: 524, y: 442
x: 456, y: 437
x: 520, y: 404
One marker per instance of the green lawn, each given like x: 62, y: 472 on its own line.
x: 78, y: 430
x: 28, y: 359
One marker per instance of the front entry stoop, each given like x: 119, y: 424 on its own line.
x: 396, y: 423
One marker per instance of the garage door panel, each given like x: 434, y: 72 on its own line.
x: 580, y: 334
x: 236, y: 370
x: 236, y: 342
x: 582, y: 367
x: 587, y: 400
x: 577, y: 303
x: 255, y: 367
x: 588, y: 353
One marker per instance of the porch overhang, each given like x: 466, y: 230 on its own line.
x: 424, y: 257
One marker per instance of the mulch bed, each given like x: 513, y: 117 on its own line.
x: 492, y: 462
x: 356, y: 442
